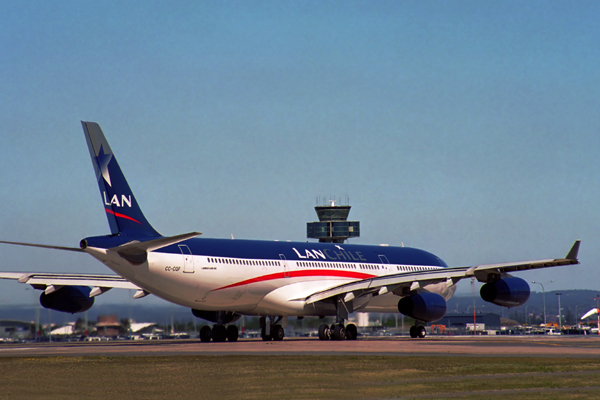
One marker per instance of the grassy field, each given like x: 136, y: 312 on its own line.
x: 298, y: 377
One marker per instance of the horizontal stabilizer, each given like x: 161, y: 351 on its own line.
x: 137, y: 252
x: 44, y: 246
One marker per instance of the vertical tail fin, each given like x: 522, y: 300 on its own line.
x: 122, y: 210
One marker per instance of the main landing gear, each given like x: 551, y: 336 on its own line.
x: 418, y: 331
x: 338, y: 332
x: 272, y: 331
x: 219, y: 333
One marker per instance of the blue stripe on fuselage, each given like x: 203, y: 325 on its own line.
x: 301, y: 251
x: 293, y: 251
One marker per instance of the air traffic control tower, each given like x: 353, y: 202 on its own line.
x: 333, y: 226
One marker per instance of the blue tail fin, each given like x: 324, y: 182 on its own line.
x: 122, y: 210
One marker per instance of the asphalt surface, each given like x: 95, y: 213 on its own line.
x: 490, y: 346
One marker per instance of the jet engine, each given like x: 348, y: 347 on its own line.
x: 507, y: 292
x: 227, y: 317
x: 70, y: 299
x: 425, y: 306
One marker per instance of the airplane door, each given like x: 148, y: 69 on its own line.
x: 286, y: 270
x: 384, y: 261
x: 188, y: 260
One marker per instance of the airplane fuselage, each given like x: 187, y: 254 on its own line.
x: 255, y: 277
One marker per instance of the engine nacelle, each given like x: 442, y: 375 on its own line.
x: 227, y: 317
x: 425, y: 306
x: 506, y: 292
x: 69, y: 299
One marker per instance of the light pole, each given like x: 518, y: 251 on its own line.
x: 559, y: 313
x: 598, y: 308
x: 594, y: 311
x: 543, y: 297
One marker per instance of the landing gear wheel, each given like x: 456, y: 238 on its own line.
x: 205, y: 334
x: 339, y: 333
x: 324, y: 332
x: 421, y: 332
x: 351, y: 332
x: 413, y: 332
x: 232, y: 333
x: 277, y: 332
x: 264, y: 335
x: 219, y: 333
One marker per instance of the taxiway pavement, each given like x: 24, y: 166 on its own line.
x: 490, y: 346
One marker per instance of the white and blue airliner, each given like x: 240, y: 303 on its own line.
x: 223, y: 279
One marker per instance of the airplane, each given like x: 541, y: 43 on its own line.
x: 593, y: 311
x: 590, y: 313
x: 223, y: 279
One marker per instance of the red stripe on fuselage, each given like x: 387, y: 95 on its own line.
x: 300, y: 274
x: 116, y: 214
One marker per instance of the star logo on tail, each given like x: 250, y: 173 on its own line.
x: 103, y: 160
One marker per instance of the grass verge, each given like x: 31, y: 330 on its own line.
x: 297, y: 377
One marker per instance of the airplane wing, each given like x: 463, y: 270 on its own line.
x: 42, y: 280
x: 403, y: 283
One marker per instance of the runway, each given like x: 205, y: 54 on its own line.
x: 490, y: 346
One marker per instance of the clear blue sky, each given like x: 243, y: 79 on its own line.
x: 467, y: 128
